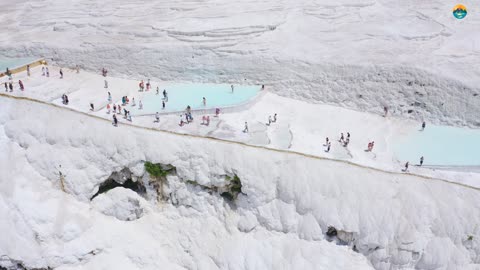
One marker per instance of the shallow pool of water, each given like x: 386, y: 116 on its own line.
x: 182, y: 95
x: 12, y: 63
x: 441, y: 145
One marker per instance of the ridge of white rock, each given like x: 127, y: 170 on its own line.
x: 398, y: 221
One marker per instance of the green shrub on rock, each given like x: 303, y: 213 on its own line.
x: 155, y: 170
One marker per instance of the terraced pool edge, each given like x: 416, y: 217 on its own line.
x: 21, y: 68
x: 228, y: 109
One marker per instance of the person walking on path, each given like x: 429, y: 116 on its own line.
x: 109, y: 97
x: 181, y: 121
x: 165, y: 95
x: 20, y: 83
x: 28, y: 70
x: 115, y: 121
x: 274, y: 118
x: 328, y: 147
x: 370, y: 146
x: 189, y: 117
x: 204, y: 101
x: 157, y: 118
x: 106, y: 84
x: 163, y: 104
x: 43, y: 71
x: 6, y: 87
x: 61, y: 73
x: 245, y: 130
x: 47, y: 71
x: 421, y: 161
x: 423, y: 125
x: 65, y: 99
x: 10, y: 85
x: 231, y: 87
x: 406, y: 167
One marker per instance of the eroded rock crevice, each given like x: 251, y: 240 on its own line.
x: 229, y: 191
x: 123, y: 178
x: 154, y: 183
x: 157, y: 178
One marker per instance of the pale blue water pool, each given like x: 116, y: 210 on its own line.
x: 441, y: 145
x: 12, y: 63
x: 182, y: 95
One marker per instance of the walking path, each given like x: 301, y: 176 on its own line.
x: 424, y: 177
x: 301, y: 127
